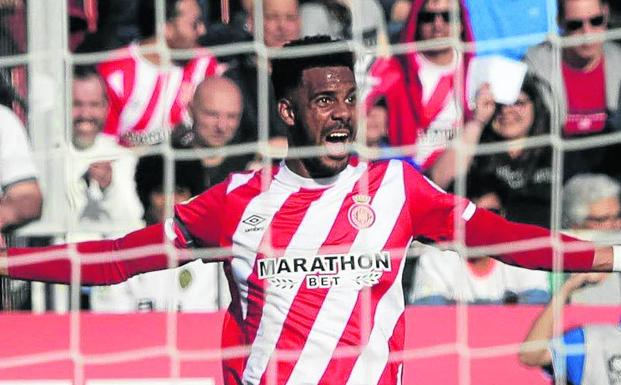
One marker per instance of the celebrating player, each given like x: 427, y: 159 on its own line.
x: 318, y: 243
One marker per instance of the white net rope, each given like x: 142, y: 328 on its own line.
x: 50, y: 142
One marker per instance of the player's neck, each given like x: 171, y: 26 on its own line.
x: 298, y: 167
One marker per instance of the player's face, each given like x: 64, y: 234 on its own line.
x: 514, y: 121
x: 88, y: 111
x: 323, y: 114
x: 281, y: 22
x: 183, y: 30
x: 582, y: 17
x: 216, y: 116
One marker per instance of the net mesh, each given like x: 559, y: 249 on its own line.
x: 49, y: 67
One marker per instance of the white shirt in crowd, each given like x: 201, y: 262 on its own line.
x: 16, y: 161
x: 96, y: 213
x: 195, y: 287
x: 444, y: 274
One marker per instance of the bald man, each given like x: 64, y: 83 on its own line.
x: 216, y: 110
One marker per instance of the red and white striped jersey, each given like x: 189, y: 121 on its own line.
x: 317, y: 266
x: 147, y: 100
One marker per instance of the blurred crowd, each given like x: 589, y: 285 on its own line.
x: 423, y: 106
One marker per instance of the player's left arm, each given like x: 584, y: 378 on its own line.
x: 436, y: 215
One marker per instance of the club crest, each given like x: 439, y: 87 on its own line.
x: 361, y: 214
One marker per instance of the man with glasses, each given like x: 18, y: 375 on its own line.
x: 418, y: 88
x: 591, y: 62
x: 592, y: 209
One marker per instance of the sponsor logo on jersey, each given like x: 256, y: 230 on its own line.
x: 361, y: 214
x: 253, y: 222
x: 323, y: 271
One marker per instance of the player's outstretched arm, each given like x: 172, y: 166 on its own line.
x: 486, y: 228
x: 435, y: 215
x: 534, y: 351
x: 102, y: 262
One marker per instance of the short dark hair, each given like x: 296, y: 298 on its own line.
x: 480, y: 184
x: 84, y: 71
x: 287, y: 72
x: 560, y: 5
x: 146, y: 16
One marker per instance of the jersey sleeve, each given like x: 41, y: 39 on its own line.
x: 103, y: 262
x: 436, y: 215
x: 200, y: 219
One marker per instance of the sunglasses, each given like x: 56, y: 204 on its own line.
x: 430, y: 17
x: 575, y: 24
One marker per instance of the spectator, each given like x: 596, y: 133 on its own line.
x: 150, y: 185
x: 100, y: 186
x: 526, y: 173
x: 418, y: 87
x: 397, y: 16
x: 377, y: 126
x: 585, y: 110
x: 281, y: 23
x: 20, y: 196
x: 335, y: 17
x: 444, y: 277
x: 143, y: 88
x: 111, y: 24
x: 216, y: 110
x: 235, y: 30
x: 588, y: 355
x: 591, y: 208
x: 591, y: 202
x: 196, y: 286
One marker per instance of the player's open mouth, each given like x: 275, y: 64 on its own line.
x: 336, y: 143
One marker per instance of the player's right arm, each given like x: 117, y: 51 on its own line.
x: 105, y: 262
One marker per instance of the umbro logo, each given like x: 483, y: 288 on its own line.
x: 254, y: 221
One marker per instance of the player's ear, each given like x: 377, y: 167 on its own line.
x: 285, y: 110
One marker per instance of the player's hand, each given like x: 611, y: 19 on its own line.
x: 485, y: 105
x: 101, y: 172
